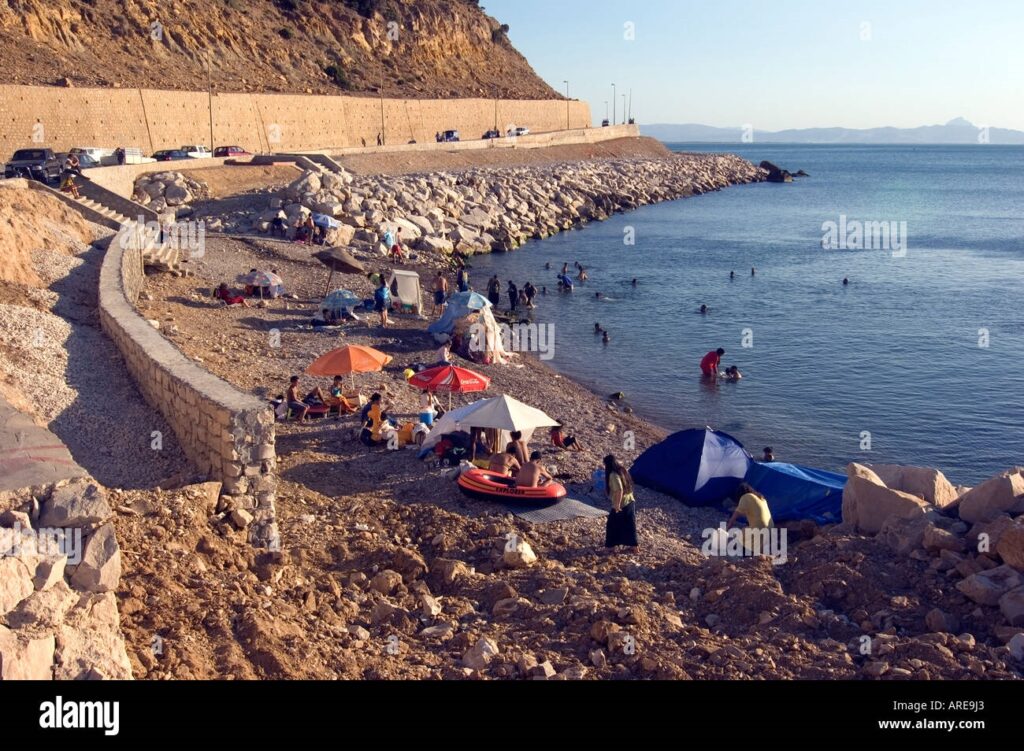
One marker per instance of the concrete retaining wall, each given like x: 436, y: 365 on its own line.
x: 149, y: 119
x: 226, y: 434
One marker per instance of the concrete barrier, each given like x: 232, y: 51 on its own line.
x: 227, y: 435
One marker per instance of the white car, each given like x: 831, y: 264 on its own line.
x: 197, y: 151
x: 515, y: 132
x: 93, y: 152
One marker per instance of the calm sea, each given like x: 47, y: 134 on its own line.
x: 920, y: 360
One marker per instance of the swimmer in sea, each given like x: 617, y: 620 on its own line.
x: 547, y: 266
x: 565, y: 268
x: 732, y: 274
x: 635, y: 282
x: 846, y: 282
x: 753, y: 272
x: 583, y: 275
x: 733, y: 374
x: 598, y: 295
x: 704, y: 310
x: 598, y: 329
x: 606, y: 338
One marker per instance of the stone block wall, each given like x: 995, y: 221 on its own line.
x: 61, y: 118
x: 227, y: 435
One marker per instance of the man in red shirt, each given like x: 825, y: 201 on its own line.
x: 709, y: 365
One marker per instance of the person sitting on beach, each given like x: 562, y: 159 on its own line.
x: 224, y: 295
x: 709, y: 365
x: 444, y: 355
x: 335, y: 397
x: 298, y: 407
x: 428, y: 408
x: 505, y: 464
x: 518, y: 446
x: 250, y: 289
x: 567, y: 442
x: 278, y: 226
x: 768, y: 455
x: 532, y: 475
x: 733, y: 374
x: 479, y: 450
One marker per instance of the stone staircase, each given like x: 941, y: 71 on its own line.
x: 106, y: 211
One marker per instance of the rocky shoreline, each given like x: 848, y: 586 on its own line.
x: 485, y: 210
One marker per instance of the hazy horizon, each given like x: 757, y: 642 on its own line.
x: 791, y: 64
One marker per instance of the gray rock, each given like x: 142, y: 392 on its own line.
x: 78, y: 504
x: 100, y: 569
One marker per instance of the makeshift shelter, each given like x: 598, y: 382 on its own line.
x: 470, y: 326
x: 339, y: 261
x: 406, y: 293
x: 699, y: 467
x: 794, y: 492
x: 502, y: 414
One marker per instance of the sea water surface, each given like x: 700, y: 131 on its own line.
x: 920, y: 360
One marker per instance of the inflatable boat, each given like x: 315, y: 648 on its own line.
x: 490, y: 486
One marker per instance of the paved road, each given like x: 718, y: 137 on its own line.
x: 30, y: 455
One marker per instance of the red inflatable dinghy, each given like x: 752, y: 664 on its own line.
x: 490, y: 486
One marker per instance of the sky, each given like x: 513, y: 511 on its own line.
x: 777, y: 64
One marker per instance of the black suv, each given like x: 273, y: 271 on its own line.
x: 35, y: 164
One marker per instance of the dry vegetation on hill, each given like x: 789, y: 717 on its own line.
x: 426, y: 48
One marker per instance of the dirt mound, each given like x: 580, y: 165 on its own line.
x: 426, y: 49
x: 32, y: 220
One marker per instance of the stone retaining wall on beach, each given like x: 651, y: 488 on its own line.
x: 227, y: 435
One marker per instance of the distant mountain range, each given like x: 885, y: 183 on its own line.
x: 955, y: 131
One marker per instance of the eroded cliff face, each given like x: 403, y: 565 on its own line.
x: 419, y: 48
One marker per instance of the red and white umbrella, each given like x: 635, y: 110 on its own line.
x: 450, y: 378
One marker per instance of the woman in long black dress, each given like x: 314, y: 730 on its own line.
x: 621, y: 528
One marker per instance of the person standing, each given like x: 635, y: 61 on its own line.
x: 462, y: 278
x: 382, y: 301
x: 531, y: 292
x: 621, y: 526
x: 440, y: 293
x: 709, y: 365
x: 494, y: 291
x: 513, y: 296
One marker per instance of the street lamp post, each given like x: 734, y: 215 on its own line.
x: 623, y: 109
x: 606, y: 110
x: 615, y: 102
x: 567, y: 124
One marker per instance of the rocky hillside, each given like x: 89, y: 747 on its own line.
x: 422, y: 48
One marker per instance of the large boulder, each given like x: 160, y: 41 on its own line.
x: 1011, y: 605
x: 100, y: 569
x: 929, y: 484
x: 24, y: 657
x: 1002, y: 494
x: 308, y: 184
x: 868, y: 503
x: 79, y: 504
x: 1011, y: 545
x: 177, y: 194
x: 988, y: 587
x: 15, y: 583
x: 343, y: 235
x: 479, y: 656
x: 89, y: 642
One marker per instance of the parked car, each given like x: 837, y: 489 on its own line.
x: 514, y: 132
x: 170, y: 155
x: 197, y: 151
x: 94, y: 153
x: 86, y: 161
x: 35, y: 164
x: 491, y: 134
x: 605, y: 123
x: 229, y: 151
x: 450, y: 136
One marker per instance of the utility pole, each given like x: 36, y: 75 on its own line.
x: 209, y: 89
x: 567, y: 125
x: 383, y: 132
x: 631, y: 104
x: 615, y: 101
x: 623, y: 109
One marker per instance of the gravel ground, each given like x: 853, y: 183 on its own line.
x: 58, y: 364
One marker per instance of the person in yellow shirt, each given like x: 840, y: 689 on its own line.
x: 753, y: 508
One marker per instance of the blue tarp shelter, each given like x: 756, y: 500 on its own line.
x: 794, y: 492
x: 459, y: 306
x: 699, y: 467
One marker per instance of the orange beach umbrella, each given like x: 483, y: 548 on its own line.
x: 352, y: 358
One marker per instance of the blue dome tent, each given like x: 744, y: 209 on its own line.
x: 794, y: 492
x: 699, y: 467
